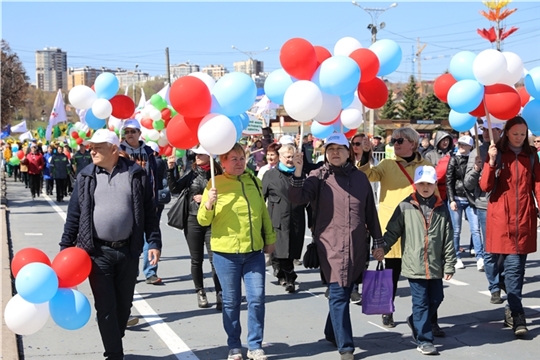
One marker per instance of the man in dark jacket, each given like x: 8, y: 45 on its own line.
x: 60, y: 171
x: 80, y: 159
x: 109, y: 214
x: 439, y: 158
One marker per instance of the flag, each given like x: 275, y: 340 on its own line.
x: 142, y: 100
x: 81, y: 113
x: 26, y: 136
x: 164, y: 93
x: 58, y: 114
x: 264, y: 105
x: 6, y: 131
x: 20, y: 127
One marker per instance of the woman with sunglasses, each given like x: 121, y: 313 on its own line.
x: 395, y: 177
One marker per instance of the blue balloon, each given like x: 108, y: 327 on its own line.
x: 337, y: 75
x: 106, y: 85
x: 321, y: 131
x: 461, y: 122
x: 532, y: 82
x: 245, y: 120
x: 93, y: 122
x: 389, y: 54
x: 15, y: 148
x: 237, y: 121
x: 347, y: 100
x: 465, y: 95
x: 461, y: 66
x: 70, y: 309
x: 531, y: 114
x: 36, y: 283
x: 233, y: 94
x: 276, y: 84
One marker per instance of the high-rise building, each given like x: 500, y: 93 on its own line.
x: 215, y: 71
x: 51, y: 69
x: 184, y: 69
x: 84, y: 76
x: 250, y: 66
x: 127, y: 78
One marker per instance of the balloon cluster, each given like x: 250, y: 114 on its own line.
x: 481, y: 83
x: 78, y: 133
x: 45, y: 289
x: 530, y: 100
x: 101, y: 101
x: 208, y: 112
x: 332, y: 90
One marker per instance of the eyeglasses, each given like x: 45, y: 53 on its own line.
x: 399, y: 141
x: 536, y: 141
x: 356, y: 144
x: 127, y: 132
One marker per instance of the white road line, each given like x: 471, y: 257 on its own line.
x: 33, y: 234
x: 169, y: 337
x: 485, y: 292
x: 55, y: 207
x: 380, y: 327
x: 456, y: 282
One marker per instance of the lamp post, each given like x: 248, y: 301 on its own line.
x: 251, y: 60
x: 134, y: 82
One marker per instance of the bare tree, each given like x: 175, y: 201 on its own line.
x: 14, y: 83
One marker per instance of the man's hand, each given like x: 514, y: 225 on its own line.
x: 171, y: 161
x: 153, y: 256
x: 478, y: 163
x: 268, y: 249
x: 447, y: 276
x: 453, y: 206
x: 378, y: 254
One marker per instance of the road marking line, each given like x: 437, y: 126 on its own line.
x: 485, y: 292
x: 55, y: 207
x: 380, y: 327
x: 456, y: 282
x: 169, y: 337
x: 33, y: 234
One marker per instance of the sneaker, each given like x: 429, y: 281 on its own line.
x: 473, y: 253
x: 508, y: 319
x: 219, y: 301
x: 520, y: 328
x: 289, y: 287
x: 347, y: 356
x: 388, y: 320
x: 257, y: 354
x: 154, y: 280
x: 132, y: 321
x: 459, y: 264
x: 427, y: 349
x: 496, y: 297
x: 235, y: 354
x: 201, y: 299
x: 437, y: 331
x: 413, y: 330
x: 356, y: 298
x: 480, y: 264
x: 297, y: 262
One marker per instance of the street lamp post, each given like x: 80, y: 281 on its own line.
x: 134, y: 82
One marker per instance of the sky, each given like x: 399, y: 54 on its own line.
x: 126, y: 33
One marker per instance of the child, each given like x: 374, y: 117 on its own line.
x: 423, y: 223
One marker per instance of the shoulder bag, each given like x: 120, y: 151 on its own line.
x: 179, y: 211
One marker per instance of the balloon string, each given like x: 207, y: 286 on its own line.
x: 213, y: 177
x: 365, y: 122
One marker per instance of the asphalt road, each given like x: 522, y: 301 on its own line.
x: 173, y: 327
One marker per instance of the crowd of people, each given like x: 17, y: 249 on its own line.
x: 251, y: 206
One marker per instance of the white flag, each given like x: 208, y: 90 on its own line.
x: 26, y: 136
x: 82, y: 115
x: 58, y: 114
x: 142, y: 100
x: 164, y: 93
x: 19, y: 128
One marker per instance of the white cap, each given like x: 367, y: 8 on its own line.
x: 153, y: 146
x: 493, y: 125
x: 200, y: 150
x: 132, y: 123
x: 104, y: 136
x: 426, y: 174
x: 467, y: 140
x: 286, y: 139
x: 338, y: 139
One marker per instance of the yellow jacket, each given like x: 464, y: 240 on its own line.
x: 239, y: 219
x: 395, y: 187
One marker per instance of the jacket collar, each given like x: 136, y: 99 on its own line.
x: 132, y: 167
x: 414, y: 200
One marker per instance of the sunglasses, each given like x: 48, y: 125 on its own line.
x: 356, y: 144
x: 399, y: 141
x: 127, y: 132
x: 536, y: 141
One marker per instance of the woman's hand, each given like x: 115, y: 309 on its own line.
x: 378, y: 254
x: 171, y: 162
x: 197, y: 198
x: 212, y: 198
x: 453, y: 206
x: 478, y: 164
x: 298, y: 161
x: 268, y: 249
x: 492, y: 152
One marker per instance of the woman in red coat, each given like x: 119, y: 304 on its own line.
x: 34, y: 161
x: 513, y: 176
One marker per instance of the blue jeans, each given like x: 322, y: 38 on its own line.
x: 426, y: 295
x: 338, y: 322
x: 457, y: 217
x: 514, y: 272
x: 492, y: 266
x: 148, y: 269
x: 231, y: 269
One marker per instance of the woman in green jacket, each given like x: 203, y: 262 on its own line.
x: 241, y: 231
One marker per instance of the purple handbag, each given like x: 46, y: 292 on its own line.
x: 377, y: 290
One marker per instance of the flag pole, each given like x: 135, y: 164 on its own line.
x: 212, y: 175
x: 300, y: 141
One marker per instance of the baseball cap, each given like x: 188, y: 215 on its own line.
x: 200, y: 150
x: 286, y: 139
x: 467, y: 140
x: 493, y: 125
x: 103, y: 136
x: 132, y: 123
x: 377, y: 137
x: 153, y: 146
x: 338, y: 139
x: 426, y: 174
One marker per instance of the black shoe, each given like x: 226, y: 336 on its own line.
x: 520, y: 325
x: 356, y: 298
x: 388, y: 320
x: 282, y: 282
x: 413, y: 330
x: 496, y: 297
x: 219, y: 301
x: 154, y: 280
x: 289, y: 287
x: 508, y: 320
x: 201, y: 299
x: 437, y: 331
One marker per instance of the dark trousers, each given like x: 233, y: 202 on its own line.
x: 24, y: 177
x: 426, y: 296
x: 514, y: 273
x: 198, y: 237
x: 112, y: 279
x: 60, y: 189
x: 284, y: 269
x: 49, y: 186
x: 35, y: 186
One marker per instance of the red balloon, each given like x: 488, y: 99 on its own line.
x: 322, y: 54
x: 26, y: 256
x: 502, y: 101
x: 20, y: 154
x: 79, y: 141
x: 147, y: 123
x: 190, y: 97
x: 75, y: 135
x: 166, y: 114
x: 122, y: 106
x: 298, y: 58
x: 349, y: 134
x: 167, y: 150
x: 442, y: 85
x: 373, y: 94
x: 524, y: 95
x: 182, y: 132
x: 480, y: 111
x: 72, y: 266
x: 368, y: 62
x: 89, y: 133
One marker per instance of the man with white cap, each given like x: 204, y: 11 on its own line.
x: 110, y: 214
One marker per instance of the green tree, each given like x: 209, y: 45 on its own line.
x: 389, y: 110
x: 410, y: 105
x: 433, y: 108
x: 14, y: 83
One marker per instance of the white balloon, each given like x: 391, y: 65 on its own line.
x: 115, y: 123
x: 153, y: 135
x: 345, y: 46
x: 146, y: 110
x: 163, y: 141
x: 102, y: 108
x: 357, y: 104
x: 217, y: 133
x: 302, y: 100
x: 207, y: 79
x: 514, y: 68
x: 139, y: 116
x: 351, y: 118
x: 489, y: 67
x: 331, y: 107
x: 25, y: 318
x: 82, y: 97
x: 154, y: 114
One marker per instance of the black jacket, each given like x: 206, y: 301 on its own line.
x: 196, y: 180
x: 78, y: 227
x: 455, y: 175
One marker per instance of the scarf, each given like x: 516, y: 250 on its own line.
x: 285, y: 169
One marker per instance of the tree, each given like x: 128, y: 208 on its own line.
x: 410, y: 105
x: 389, y: 110
x: 14, y: 83
x: 433, y: 108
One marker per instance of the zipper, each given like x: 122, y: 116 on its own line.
x: 249, y: 213
x: 517, y: 205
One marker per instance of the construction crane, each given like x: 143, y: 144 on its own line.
x: 251, y: 54
x: 419, y: 49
